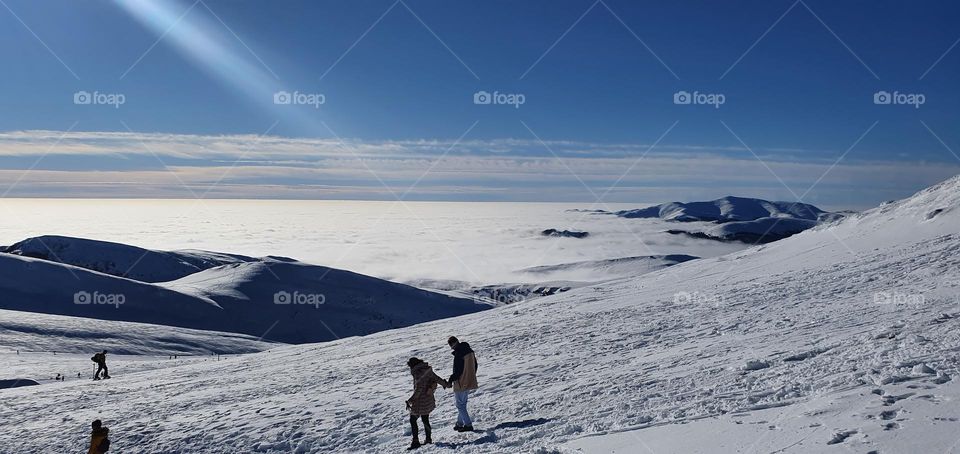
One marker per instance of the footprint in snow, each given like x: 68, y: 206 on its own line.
x: 889, y: 414
x: 839, y: 437
x: 890, y: 400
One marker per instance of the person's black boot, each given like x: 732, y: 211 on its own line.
x: 466, y: 429
x: 414, y: 445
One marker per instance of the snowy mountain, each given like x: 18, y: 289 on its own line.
x: 121, y: 259
x: 297, y: 302
x: 37, y: 285
x: 747, y: 220
x: 842, y: 338
x: 279, y: 300
x: 727, y: 209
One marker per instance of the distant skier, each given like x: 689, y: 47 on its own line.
x: 464, y: 380
x: 101, y: 360
x: 99, y: 443
x: 422, y: 402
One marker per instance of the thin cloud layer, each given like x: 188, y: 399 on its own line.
x: 118, y: 164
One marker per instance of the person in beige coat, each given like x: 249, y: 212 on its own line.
x: 422, y: 402
x: 464, y: 381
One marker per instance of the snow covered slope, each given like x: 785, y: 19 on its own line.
x: 36, y: 285
x: 284, y: 301
x: 122, y: 259
x: 297, y: 302
x: 863, y: 314
x: 29, y: 332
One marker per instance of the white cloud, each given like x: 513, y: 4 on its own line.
x: 118, y: 164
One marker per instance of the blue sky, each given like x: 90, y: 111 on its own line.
x: 398, y: 79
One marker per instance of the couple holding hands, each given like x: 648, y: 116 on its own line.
x: 425, y: 382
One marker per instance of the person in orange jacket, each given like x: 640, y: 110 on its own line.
x: 99, y: 443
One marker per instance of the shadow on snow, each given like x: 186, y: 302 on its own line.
x: 490, y: 435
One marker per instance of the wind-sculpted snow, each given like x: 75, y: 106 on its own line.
x: 863, y: 313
